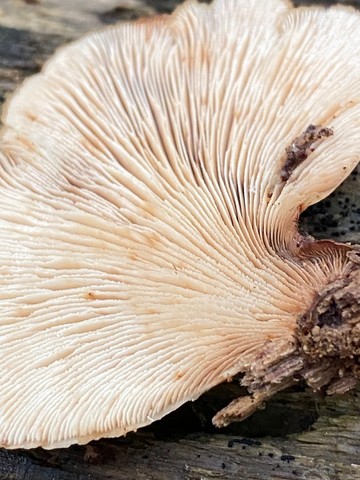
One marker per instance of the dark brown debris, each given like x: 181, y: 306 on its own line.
x: 301, y: 147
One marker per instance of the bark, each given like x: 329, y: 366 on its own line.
x: 300, y: 435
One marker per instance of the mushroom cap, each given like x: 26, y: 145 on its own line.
x: 148, y: 237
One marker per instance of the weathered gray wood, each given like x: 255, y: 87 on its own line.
x: 298, y: 436
x: 328, y: 451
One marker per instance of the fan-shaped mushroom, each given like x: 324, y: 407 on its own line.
x: 151, y: 181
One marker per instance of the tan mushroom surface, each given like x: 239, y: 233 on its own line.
x: 151, y: 181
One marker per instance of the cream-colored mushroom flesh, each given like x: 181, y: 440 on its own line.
x: 151, y: 180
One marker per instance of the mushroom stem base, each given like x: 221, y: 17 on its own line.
x: 324, y: 351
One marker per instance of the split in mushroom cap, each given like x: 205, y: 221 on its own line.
x: 148, y: 232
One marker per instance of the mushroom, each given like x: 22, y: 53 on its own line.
x: 152, y: 176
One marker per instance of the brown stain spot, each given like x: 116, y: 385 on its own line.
x: 301, y: 147
x: 90, y: 296
x: 132, y: 256
x: 31, y: 116
x: 204, y: 100
x: 152, y: 24
x: 180, y: 266
x: 179, y: 375
x: 152, y: 21
x: 237, y: 114
x: 85, y: 143
x: 23, y: 312
x: 151, y: 240
x: 204, y: 56
x: 27, y: 143
x: 270, y: 337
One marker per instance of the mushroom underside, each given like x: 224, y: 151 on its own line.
x: 151, y: 181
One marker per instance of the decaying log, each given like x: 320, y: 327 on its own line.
x: 298, y: 436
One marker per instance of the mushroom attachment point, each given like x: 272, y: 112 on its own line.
x: 151, y: 180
